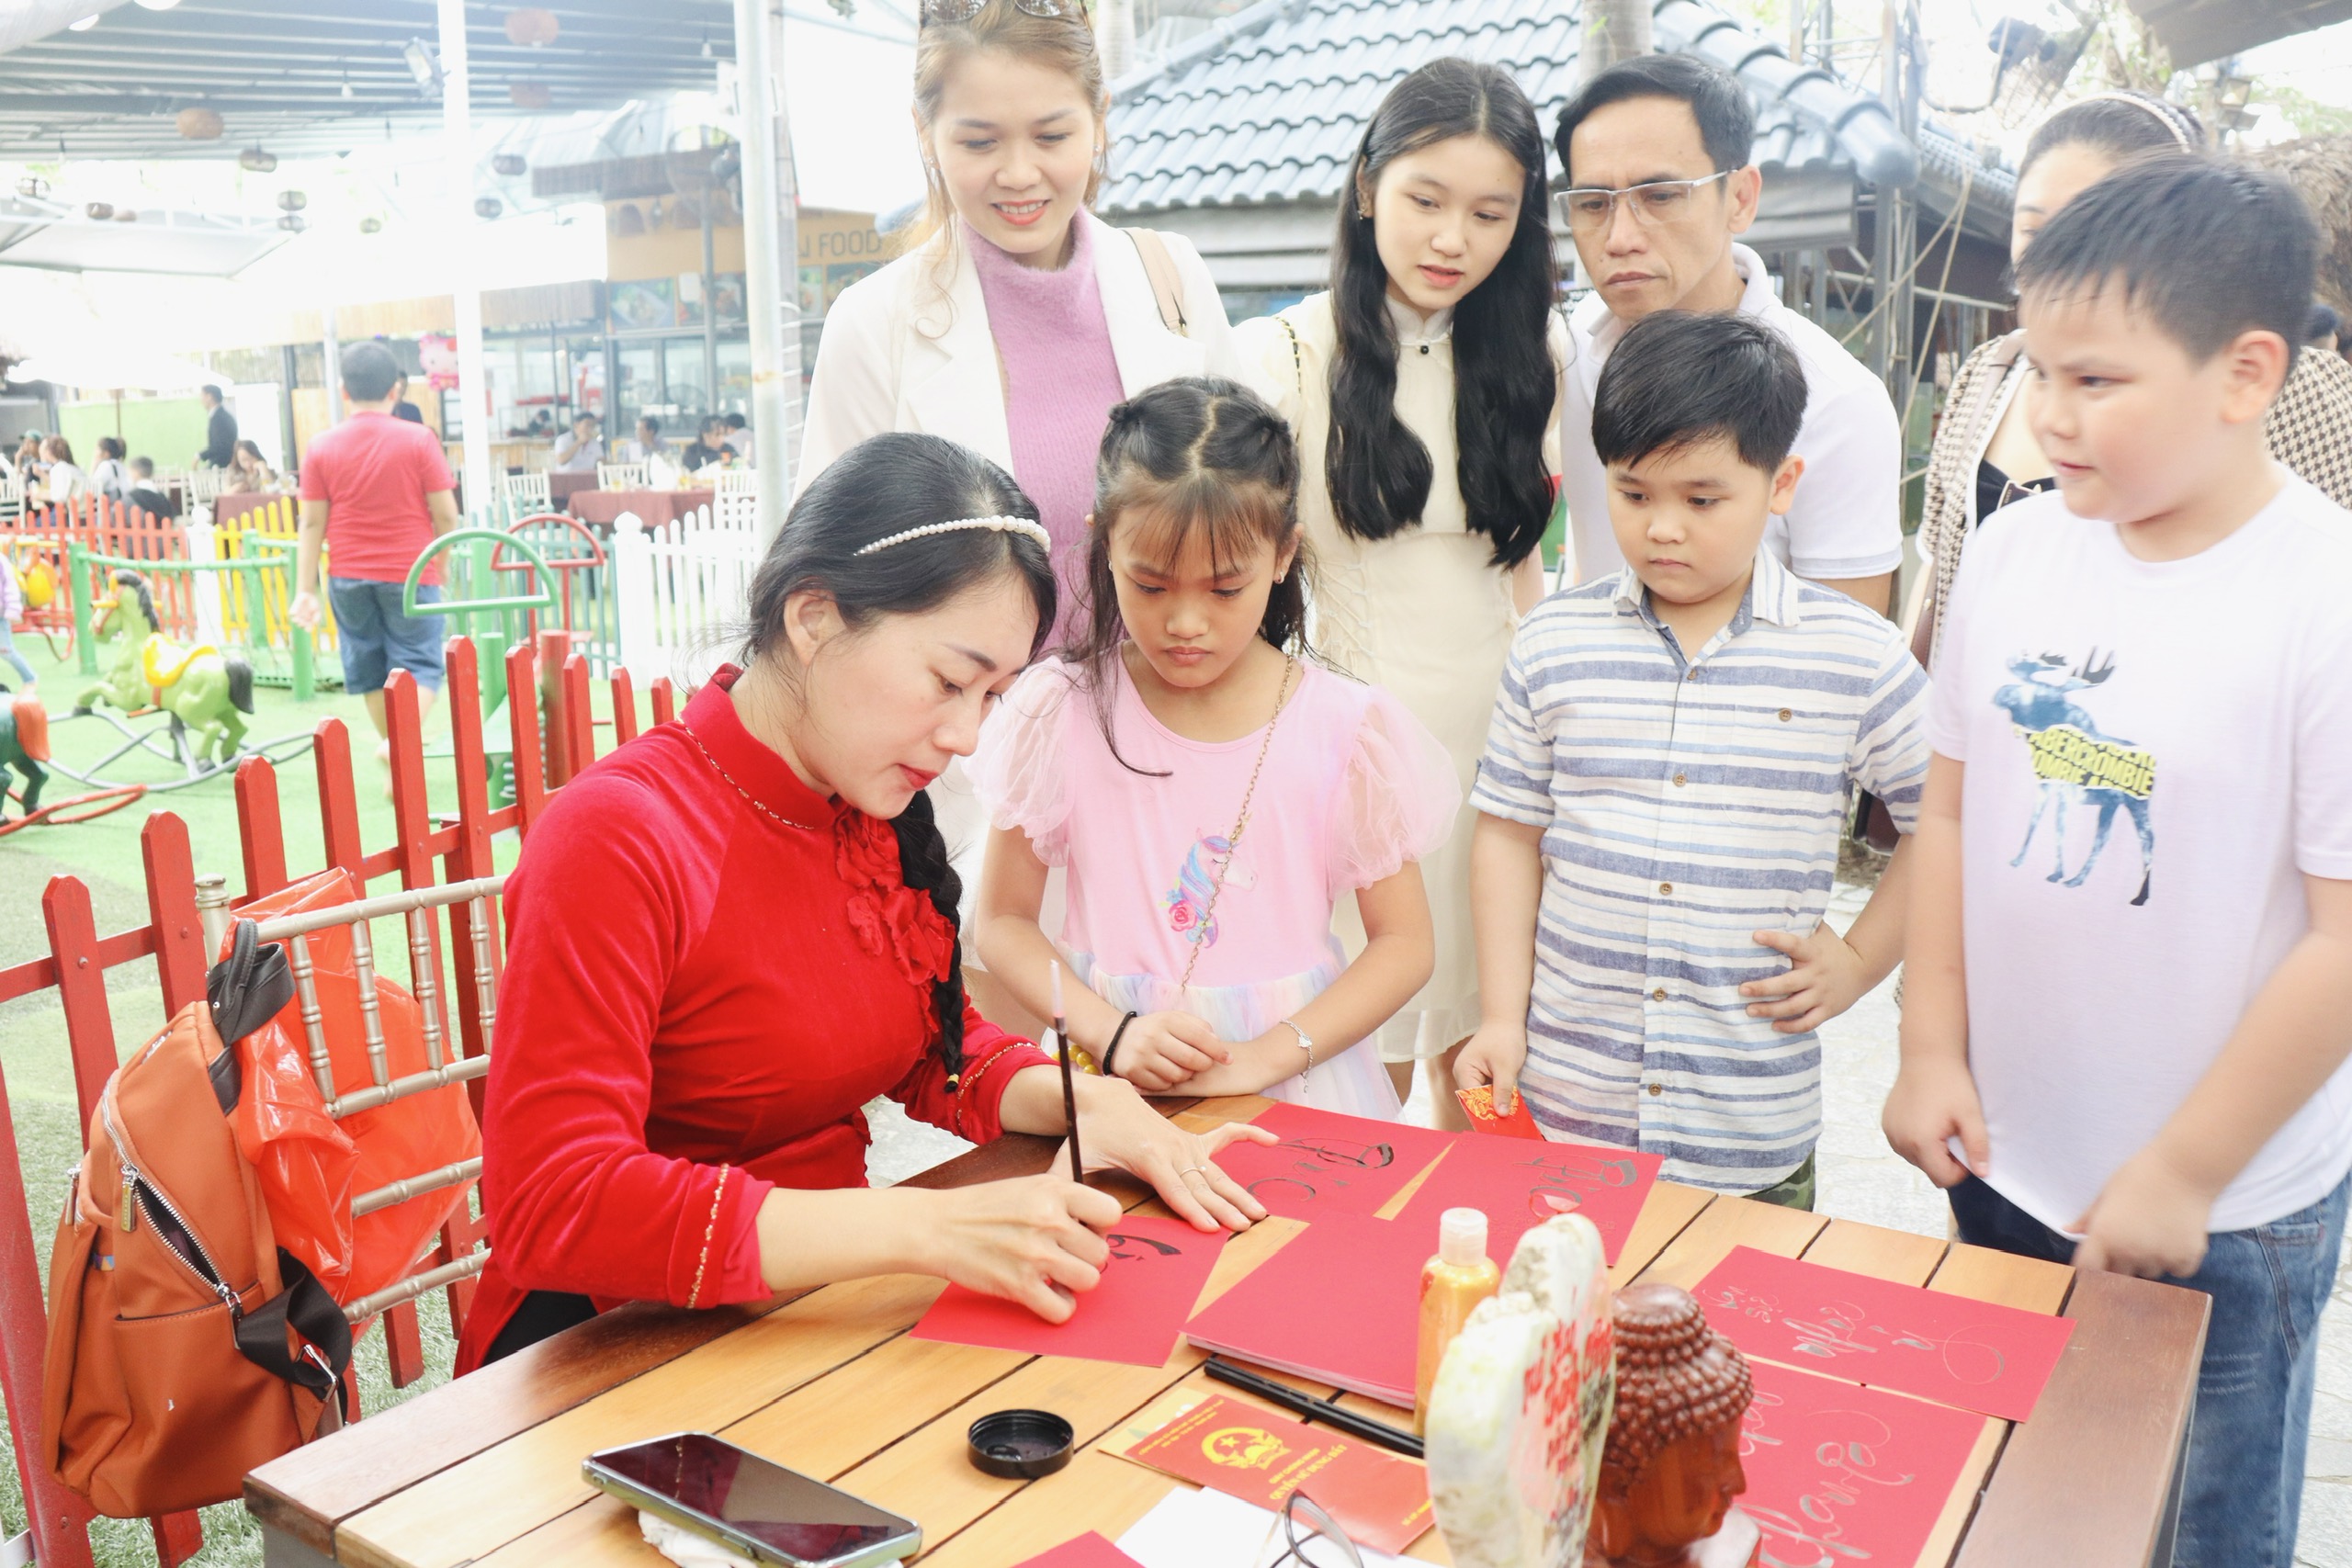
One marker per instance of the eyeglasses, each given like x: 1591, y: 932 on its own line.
x: 1312, y: 1538
x: 1591, y: 210
x: 965, y: 10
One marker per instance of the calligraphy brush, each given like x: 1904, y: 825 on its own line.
x: 1069, y: 1090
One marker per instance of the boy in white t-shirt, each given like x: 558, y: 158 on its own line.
x: 2129, y: 953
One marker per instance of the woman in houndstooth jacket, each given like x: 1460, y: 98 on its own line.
x: 1985, y: 454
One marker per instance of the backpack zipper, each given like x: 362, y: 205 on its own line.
x: 177, y: 1235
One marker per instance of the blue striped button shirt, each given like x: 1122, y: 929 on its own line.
x: 1687, y: 803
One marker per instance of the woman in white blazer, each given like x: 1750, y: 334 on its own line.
x: 1017, y: 319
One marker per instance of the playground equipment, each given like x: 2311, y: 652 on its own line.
x: 201, y: 690
x: 24, y: 745
x: 495, y: 622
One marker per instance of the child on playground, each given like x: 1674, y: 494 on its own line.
x: 1666, y: 783
x: 1211, y: 791
x: 2130, y: 1072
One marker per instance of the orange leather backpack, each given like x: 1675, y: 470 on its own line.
x: 184, y: 1348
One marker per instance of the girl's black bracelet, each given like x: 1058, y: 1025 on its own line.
x: 1112, y: 1049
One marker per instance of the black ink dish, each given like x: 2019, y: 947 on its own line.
x: 1020, y: 1445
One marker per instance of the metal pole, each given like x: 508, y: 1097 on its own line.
x: 333, y: 378
x: 771, y: 255
x: 709, y: 302
x: 473, y: 372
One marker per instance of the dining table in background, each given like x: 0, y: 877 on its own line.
x: 486, y: 1470
x: 228, y: 508
x: 602, y: 508
x: 562, y: 488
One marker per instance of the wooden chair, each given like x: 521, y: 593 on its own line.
x: 737, y: 481
x: 12, y: 499
x: 620, y: 476
x: 527, y: 493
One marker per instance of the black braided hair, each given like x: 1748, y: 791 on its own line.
x: 880, y: 487
x: 1195, y: 454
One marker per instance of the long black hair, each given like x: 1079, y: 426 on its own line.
x: 1195, y: 457
x: 880, y: 487
x: 1379, y: 472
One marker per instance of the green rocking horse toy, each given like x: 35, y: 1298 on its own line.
x: 202, y: 688
x: 24, y: 745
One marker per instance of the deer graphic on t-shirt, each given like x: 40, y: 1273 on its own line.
x: 2075, y: 762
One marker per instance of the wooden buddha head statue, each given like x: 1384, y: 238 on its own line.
x: 1671, y: 1466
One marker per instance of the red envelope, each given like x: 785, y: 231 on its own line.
x: 1089, y: 1550
x: 1520, y: 1185
x: 1973, y: 1354
x: 1478, y: 1104
x: 1149, y: 1288
x: 1247, y: 1451
x: 1847, y: 1474
x: 1340, y: 1303
x: 1328, y: 1163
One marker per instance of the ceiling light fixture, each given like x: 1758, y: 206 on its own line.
x: 347, y: 88
x: 422, y: 65
x: 84, y: 25
x: 157, y: 5
x: 199, y: 124
x: 254, y: 160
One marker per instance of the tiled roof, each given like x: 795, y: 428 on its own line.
x: 1269, y: 105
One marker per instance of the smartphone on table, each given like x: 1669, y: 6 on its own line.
x: 756, y: 1508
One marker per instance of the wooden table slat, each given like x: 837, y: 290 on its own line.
x: 2084, y: 1479
x: 1988, y: 1275
x: 372, y: 1459
x: 464, y: 1511
x: 1882, y: 1254
x: 1727, y: 1223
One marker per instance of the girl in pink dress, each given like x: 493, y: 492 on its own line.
x: 1210, y: 791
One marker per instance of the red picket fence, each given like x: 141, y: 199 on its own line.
x: 553, y: 737
x: 104, y: 527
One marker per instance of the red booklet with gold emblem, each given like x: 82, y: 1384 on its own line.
x: 1247, y: 1451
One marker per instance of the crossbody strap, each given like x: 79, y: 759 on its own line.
x: 1167, y: 285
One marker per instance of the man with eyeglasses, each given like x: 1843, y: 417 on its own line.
x: 1656, y: 151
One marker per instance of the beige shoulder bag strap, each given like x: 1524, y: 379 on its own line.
x: 1160, y: 268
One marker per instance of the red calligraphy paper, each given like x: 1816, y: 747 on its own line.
x: 1154, y: 1277
x: 1089, y: 1550
x: 1248, y: 1452
x: 1520, y: 1185
x: 1839, y: 1473
x: 1973, y: 1354
x: 1340, y: 1303
x: 1328, y: 1163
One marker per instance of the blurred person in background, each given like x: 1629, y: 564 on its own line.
x: 402, y: 407
x: 249, y: 474
x: 61, y: 479
x: 108, y: 478
x: 219, y: 432
x: 578, y: 449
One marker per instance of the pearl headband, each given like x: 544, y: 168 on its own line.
x: 994, y: 525
x: 2164, y: 113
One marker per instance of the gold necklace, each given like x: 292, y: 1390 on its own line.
x: 1233, y: 840
x: 756, y: 804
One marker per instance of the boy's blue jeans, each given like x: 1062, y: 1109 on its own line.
x: 2244, y: 1491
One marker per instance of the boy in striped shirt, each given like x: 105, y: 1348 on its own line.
x: 1666, y: 781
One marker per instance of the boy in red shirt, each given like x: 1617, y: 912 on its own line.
x: 376, y: 490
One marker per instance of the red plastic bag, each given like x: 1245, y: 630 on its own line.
x: 311, y: 1166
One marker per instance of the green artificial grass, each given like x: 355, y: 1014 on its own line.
x: 105, y: 854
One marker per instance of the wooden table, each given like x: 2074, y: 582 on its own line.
x: 653, y: 507
x: 562, y: 488
x: 487, y: 1471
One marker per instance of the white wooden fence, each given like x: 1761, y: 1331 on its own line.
x: 681, y: 589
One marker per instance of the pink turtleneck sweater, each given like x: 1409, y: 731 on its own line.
x: 1062, y: 380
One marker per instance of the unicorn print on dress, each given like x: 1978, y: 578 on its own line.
x: 1188, y: 903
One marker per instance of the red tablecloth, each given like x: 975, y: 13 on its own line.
x: 653, y: 507
x: 563, y: 487
x: 227, y: 509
